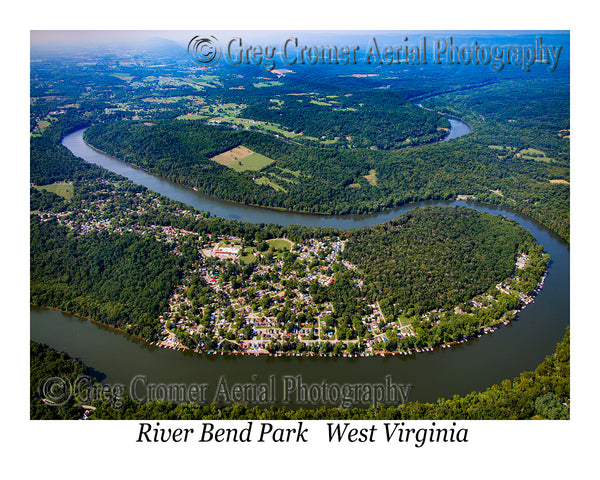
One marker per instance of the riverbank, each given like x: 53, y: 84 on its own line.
x: 116, y: 329
x: 252, y: 214
x: 191, y: 326
x: 172, y: 343
x: 452, y: 134
x: 252, y: 205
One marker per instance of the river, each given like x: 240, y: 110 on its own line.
x: 520, y: 346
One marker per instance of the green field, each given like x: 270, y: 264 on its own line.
x: 295, y: 173
x: 247, y: 255
x: 280, y: 244
x: 191, y: 116
x: 372, y: 177
x: 270, y: 183
x: 267, y: 84
x: 254, y: 162
x: 203, y: 80
x: 277, y: 246
x: 65, y: 189
x: 282, y: 179
x: 242, y: 159
x: 123, y: 76
x: 533, y: 154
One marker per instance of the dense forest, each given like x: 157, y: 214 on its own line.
x: 456, y: 252
x: 516, y: 114
x: 517, y: 156
x: 46, y: 363
x: 543, y: 393
x: 339, y: 181
x: 372, y: 119
x: 519, y: 141
x: 436, y: 258
x: 121, y: 280
x: 435, y: 269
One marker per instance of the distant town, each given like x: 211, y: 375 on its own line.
x: 255, y: 297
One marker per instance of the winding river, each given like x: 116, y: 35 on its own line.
x: 522, y: 345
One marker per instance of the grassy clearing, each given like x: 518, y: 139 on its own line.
x: 280, y: 244
x: 255, y: 162
x: 404, y: 321
x: 206, y: 78
x: 278, y: 130
x: 559, y: 181
x: 64, y: 189
x: 277, y: 246
x: 123, y: 76
x: 242, y: 159
x: 191, y: 116
x: 270, y: 183
x: 273, y: 83
x: 372, y: 177
x: 248, y: 255
x: 533, y: 154
x: 295, y: 173
x: 163, y: 99
x: 282, y: 179
x: 223, y: 110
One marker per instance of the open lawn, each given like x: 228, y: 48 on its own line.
x: 242, y: 159
x: 270, y: 183
x: 64, y: 189
x: 277, y: 246
x: 404, y: 321
x: 280, y: 244
x: 247, y: 255
x: 123, y: 76
x: 191, y: 116
x: 273, y: 83
x: 372, y: 177
x: 533, y: 154
x: 296, y: 173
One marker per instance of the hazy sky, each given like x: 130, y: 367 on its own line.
x: 82, y: 37
x: 95, y: 37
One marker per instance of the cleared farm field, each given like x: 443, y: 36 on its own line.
x: 242, y: 159
x: 64, y: 189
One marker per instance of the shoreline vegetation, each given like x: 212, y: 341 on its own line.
x: 358, y: 197
x: 83, y: 317
x: 277, y: 209
x: 125, y: 257
x: 166, y: 344
x: 540, y: 394
x: 459, y: 197
x: 276, y: 295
